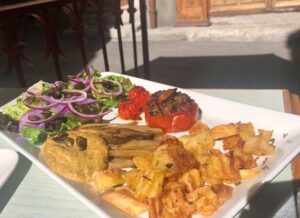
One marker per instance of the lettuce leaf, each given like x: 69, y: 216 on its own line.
x: 71, y: 121
x: 15, y: 111
x: 34, y: 135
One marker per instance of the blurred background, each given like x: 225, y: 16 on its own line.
x: 234, y: 44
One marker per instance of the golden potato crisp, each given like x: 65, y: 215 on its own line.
x: 199, y: 145
x: 220, y: 167
x: 233, y: 142
x: 198, y: 128
x: 224, y: 192
x: 105, y: 180
x: 246, y: 130
x: 258, y: 146
x: 223, y: 131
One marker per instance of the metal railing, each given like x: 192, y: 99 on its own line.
x: 11, y: 16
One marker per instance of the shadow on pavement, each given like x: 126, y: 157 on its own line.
x: 14, y: 180
x: 265, y: 71
x: 271, y: 198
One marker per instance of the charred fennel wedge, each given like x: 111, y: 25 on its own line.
x: 125, y: 141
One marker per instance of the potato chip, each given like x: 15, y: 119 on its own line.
x: 267, y: 135
x: 233, y: 142
x: 224, y: 192
x: 189, y: 175
x: 191, y: 180
x: 198, y: 128
x: 258, y: 146
x: 105, y: 180
x: 221, y: 167
x: 174, y: 203
x: 246, y: 160
x: 143, y: 162
x: 199, y: 145
x: 223, y: 131
x: 204, y: 200
x: 246, y: 130
x: 145, y: 184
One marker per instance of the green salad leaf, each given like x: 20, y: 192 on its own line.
x: 15, y: 111
x: 34, y: 135
x: 70, y: 121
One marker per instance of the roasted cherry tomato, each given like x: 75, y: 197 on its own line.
x: 140, y: 96
x: 136, y: 103
x: 129, y: 110
x: 172, y: 111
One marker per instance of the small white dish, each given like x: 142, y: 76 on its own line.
x: 8, y: 162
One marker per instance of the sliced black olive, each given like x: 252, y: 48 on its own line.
x: 4, y: 120
x: 81, y: 143
x: 46, y: 114
x: 57, y: 95
x: 34, y: 118
x: 13, y: 126
x: 108, y: 85
x: 64, y: 140
x: 169, y: 165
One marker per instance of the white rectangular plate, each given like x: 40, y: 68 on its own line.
x: 286, y: 130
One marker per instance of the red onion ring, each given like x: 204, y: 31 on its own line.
x: 25, y: 116
x: 87, y: 88
x: 39, y: 123
x: 22, y: 123
x: 93, y: 87
x: 87, y: 69
x: 79, y: 80
x: 39, y: 97
x: 74, y: 99
x: 59, y: 83
x: 87, y: 116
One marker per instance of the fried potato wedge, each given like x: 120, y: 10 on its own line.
x: 123, y: 200
x: 223, y: 131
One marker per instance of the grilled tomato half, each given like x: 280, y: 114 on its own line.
x: 172, y: 111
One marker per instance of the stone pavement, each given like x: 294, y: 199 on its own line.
x: 245, y: 28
